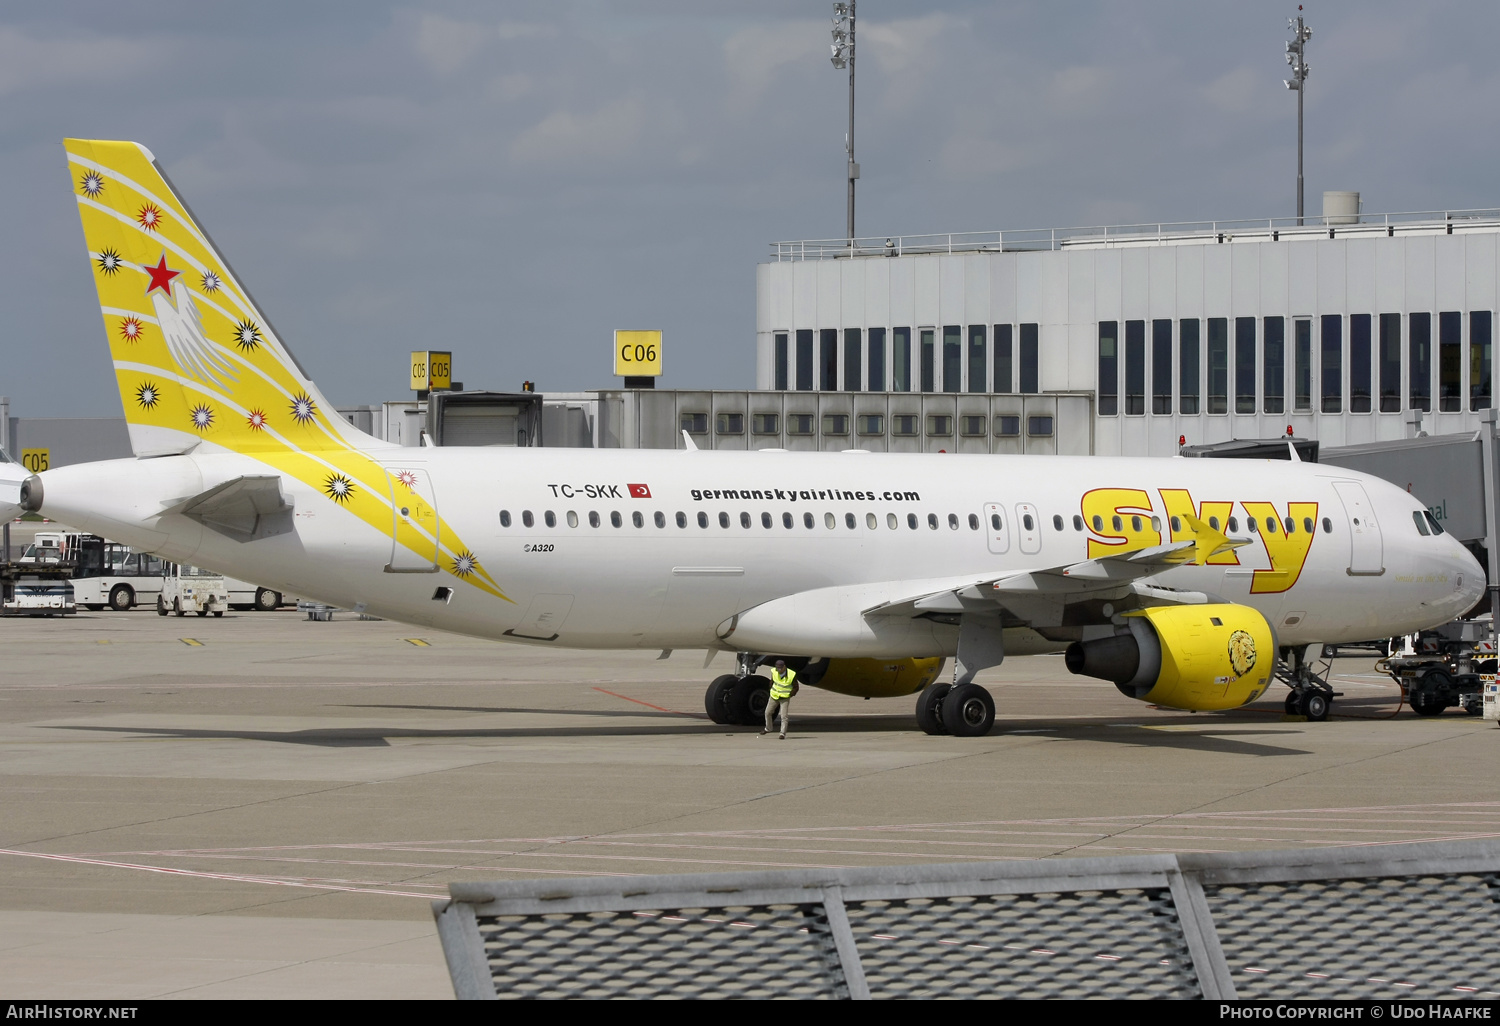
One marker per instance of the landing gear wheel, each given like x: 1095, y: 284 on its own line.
x: 267, y: 600
x: 716, y: 698
x: 753, y: 694
x: 1293, y: 704
x: 968, y: 711
x: 1314, y: 706
x: 121, y: 598
x: 930, y: 708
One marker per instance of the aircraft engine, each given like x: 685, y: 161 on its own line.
x: 1205, y: 657
x: 870, y: 678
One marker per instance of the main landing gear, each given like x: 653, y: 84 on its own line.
x: 1310, y: 695
x: 963, y: 710
x: 739, y: 699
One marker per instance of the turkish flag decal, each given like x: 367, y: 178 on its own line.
x: 639, y: 491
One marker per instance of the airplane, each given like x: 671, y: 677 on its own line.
x: 1189, y: 583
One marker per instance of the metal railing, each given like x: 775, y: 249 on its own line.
x: 1038, y: 239
x: 1410, y: 921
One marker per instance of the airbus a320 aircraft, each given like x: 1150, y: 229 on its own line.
x: 1188, y: 583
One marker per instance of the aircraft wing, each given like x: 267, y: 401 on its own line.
x: 1073, y: 593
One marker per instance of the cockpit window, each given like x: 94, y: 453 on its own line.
x: 1420, y: 518
x: 1432, y: 522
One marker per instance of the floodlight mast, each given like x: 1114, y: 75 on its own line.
x: 1296, y: 56
x: 843, y: 56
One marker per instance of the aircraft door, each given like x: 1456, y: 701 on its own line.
x: 1366, y: 546
x: 415, y: 530
x: 1029, y: 528
x: 997, y: 526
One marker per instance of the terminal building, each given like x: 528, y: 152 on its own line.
x: 1350, y: 329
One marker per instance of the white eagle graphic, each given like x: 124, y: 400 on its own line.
x: 182, y: 329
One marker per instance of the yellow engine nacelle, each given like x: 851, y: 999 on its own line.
x: 872, y: 678
x: 1186, y: 657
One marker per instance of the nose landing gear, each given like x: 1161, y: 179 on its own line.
x: 1311, y: 695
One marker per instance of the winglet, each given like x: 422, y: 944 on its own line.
x: 1293, y: 450
x: 1210, y: 541
x: 691, y: 446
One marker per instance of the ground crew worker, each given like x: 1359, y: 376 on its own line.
x: 783, y: 687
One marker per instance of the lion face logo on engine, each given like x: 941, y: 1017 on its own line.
x: 1241, y: 652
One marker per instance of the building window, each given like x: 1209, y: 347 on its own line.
x: 1161, y: 366
x: 904, y: 425
x: 875, y: 353
x: 978, y: 371
x: 1419, y: 347
x: 1273, y: 344
x: 929, y: 358
x: 939, y: 426
x: 901, y: 359
x: 764, y: 423
x: 953, y: 371
x: 1002, y: 358
x: 1302, y: 366
x: 1390, y: 363
x: 804, y: 359
x: 1450, y: 361
x: 729, y: 424
x: 1007, y: 426
x: 853, y: 365
x: 870, y: 424
x: 973, y: 427
x: 799, y: 424
x: 695, y: 423
x: 1359, y: 363
x: 1244, y: 365
x: 1029, y: 373
x: 1187, y: 365
x: 1218, y: 365
x: 1135, y: 367
x: 828, y: 359
x: 1479, y: 360
x: 1109, y: 373
x: 781, y: 362
x: 1333, y: 363
x: 835, y: 423
x: 1039, y: 427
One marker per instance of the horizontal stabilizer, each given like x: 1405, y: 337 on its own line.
x: 245, y: 509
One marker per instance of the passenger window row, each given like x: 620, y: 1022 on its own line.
x: 746, y: 520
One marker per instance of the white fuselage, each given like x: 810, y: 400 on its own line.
x: 677, y: 586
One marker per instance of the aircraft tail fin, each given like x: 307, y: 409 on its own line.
x: 197, y: 363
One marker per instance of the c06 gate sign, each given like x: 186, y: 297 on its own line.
x: 638, y: 354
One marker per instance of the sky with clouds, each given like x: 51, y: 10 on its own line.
x: 512, y: 181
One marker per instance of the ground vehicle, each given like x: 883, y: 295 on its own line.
x: 46, y: 548
x: 189, y: 589
x: 1444, y: 667
x: 39, y: 595
x: 109, y: 574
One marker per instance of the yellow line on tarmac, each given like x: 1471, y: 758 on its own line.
x: 419, y: 642
x: 191, y: 642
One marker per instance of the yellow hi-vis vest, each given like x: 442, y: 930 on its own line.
x: 781, y: 687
